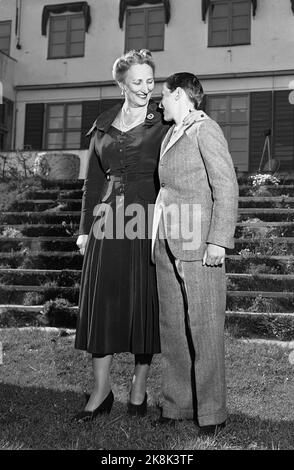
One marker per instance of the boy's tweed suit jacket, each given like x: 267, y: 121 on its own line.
x: 196, y: 172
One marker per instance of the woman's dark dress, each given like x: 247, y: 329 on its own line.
x: 118, y: 305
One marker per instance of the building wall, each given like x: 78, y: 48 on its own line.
x: 186, y: 37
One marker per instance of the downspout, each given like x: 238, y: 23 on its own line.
x: 17, y: 23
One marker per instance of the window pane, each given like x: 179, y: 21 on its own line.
x: 155, y: 29
x: 77, y: 36
x: 220, y: 10
x: 136, y: 17
x: 55, y: 123
x: 239, y: 109
x: 76, y: 49
x: 240, y: 37
x: 58, y: 51
x: 219, y: 39
x: 240, y: 22
x: 72, y: 140
x: 218, y: 108
x: 55, y: 117
x: 220, y: 24
x: 58, y: 38
x: 54, y: 140
x: 241, y: 8
x: 135, y: 31
x: 156, y: 15
x: 56, y: 110
x: 155, y: 43
x: 74, y: 116
x: 58, y: 24
x: 77, y: 22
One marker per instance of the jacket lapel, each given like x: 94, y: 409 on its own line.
x: 171, y: 140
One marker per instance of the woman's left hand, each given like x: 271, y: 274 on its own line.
x: 191, y: 118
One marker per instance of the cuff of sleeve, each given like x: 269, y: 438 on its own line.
x: 222, y: 241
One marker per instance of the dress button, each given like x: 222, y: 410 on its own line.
x: 162, y: 185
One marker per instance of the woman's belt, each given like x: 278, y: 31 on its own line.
x: 129, y: 177
x: 117, y: 183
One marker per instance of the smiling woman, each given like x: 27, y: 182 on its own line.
x: 118, y: 305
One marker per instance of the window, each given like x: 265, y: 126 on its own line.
x: 231, y: 112
x: 229, y: 22
x: 145, y: 28
x: 5, y: 33
x: 63, y: 126
x: 66, y: 36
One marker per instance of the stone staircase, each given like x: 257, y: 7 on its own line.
x: 41, y: 262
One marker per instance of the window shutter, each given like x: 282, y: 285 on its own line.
x: 90, y: 111
x: 34, y: 121
x: 283, y: 135
x: 135, y: 30
x: 260, y: 123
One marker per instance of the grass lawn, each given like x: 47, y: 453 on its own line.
x: 42, y: 380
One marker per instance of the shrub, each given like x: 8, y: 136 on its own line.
x: 57, y: 313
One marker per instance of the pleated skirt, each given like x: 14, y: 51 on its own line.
x: 118, y: 302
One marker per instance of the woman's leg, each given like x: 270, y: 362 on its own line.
x: 101, y: 370
x: 139, y: 382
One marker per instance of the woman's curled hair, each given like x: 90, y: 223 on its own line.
x: 125, y: 62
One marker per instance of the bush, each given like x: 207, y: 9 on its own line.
x: 58, y: 313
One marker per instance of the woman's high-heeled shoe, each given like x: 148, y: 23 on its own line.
x: 104, y: 407
x: 138, y: 410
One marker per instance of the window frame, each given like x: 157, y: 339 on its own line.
x: 64, y: 130
x: 230, y: 18
x: 67, y: 43
x: 9, y: 22
x: 147, y: 10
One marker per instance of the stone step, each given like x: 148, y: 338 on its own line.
x: 37, y: 294
x: 264, y: 294
x: 52, y: 230
x: 266, y: 203
x: 17, y: 218
x: 40, y: 205
x: 74, y: 260
x: 62, y: 184
x: 79, y: 271
x: 38, y: 243
x: 42, y: 260
x: 54, y: 194
x: 53, y: 217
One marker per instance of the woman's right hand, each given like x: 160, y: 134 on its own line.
x: 82, y: 242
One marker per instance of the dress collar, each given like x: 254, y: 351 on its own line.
x: 104, y: 121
